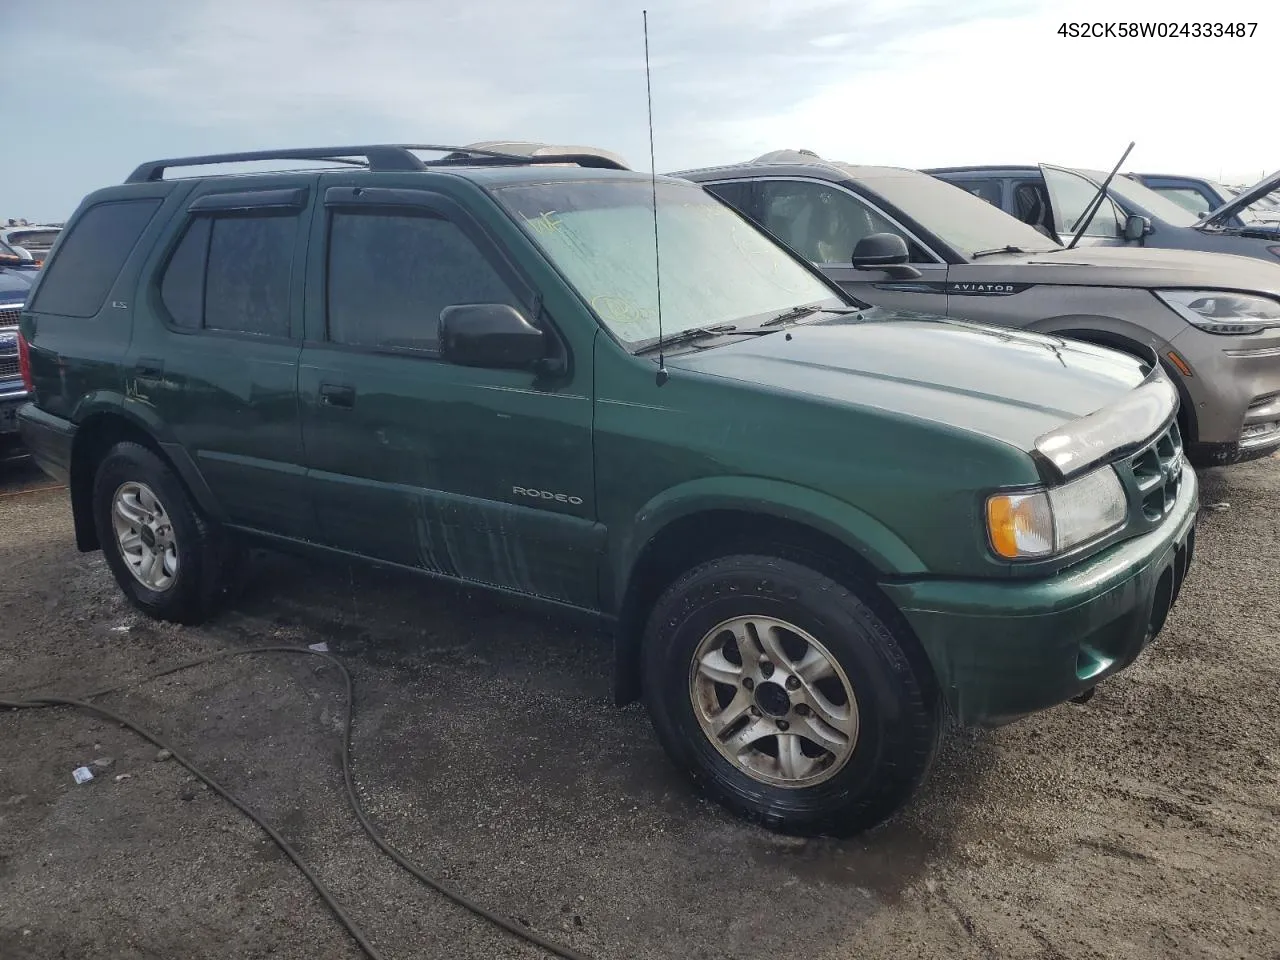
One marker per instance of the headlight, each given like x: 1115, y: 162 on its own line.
x: 1220, y: 311
x: 1042, y: 523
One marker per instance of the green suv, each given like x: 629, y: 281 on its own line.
x: 815, y: 527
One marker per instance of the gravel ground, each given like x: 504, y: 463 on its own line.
x: 1140, y: 825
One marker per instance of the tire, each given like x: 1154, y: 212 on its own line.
x: 852, y: 773
x: 196, y: 557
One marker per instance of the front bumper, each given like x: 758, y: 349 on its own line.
x: 12, y: 397
x: 1004, y: 649
x: 49, y: 440
x: 1235, y: 389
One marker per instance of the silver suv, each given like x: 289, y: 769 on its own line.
x: 899, y: 238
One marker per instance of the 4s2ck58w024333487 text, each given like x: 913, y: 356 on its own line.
x: 1163, y: 29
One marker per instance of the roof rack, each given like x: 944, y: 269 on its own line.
x: 535, y: 150
x: 377, y: 157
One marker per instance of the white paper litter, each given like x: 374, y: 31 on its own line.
x: 82, y: 774
x: 320, y: 647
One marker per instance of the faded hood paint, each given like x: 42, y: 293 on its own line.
x: 1141, y: 267
x: 1005, y: 384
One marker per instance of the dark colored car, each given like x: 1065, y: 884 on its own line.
x: 1205, y: 197
x: 813, y: 526
x: 1054, y: 200
x: 15, y: 285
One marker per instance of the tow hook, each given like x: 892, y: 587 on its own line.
x: 1086, y: 696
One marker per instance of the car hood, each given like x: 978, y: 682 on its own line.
x: 13, y: 286
x: 1009, y: 385
x: 1220, y: 216
x: 1142, y: 267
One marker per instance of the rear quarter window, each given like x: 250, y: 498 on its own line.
x: 79, y: 277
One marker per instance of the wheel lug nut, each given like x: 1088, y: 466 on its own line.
x: 748, y: 683
x: 766, y: 668
x: 802, y: 709
x: 783, y: 725
x: 793, y: 683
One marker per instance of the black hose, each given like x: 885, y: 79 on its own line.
x: 37, y: 701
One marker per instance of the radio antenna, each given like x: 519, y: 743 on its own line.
x: 663, y: 376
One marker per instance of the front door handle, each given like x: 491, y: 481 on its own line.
x: 337, y: 395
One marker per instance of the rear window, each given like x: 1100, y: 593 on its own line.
x: 79, y: 277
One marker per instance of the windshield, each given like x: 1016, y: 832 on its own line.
x: 964, y: 222
x: 1149, y: 202
x: 716, y: 267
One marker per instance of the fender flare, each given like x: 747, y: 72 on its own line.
x: 146, y: 420
x: 882, y: 549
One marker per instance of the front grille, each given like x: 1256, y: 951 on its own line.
x: 9, y: 367
x: 9, y: 315
x: 1157, y: 474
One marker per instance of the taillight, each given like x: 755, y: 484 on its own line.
x: 24, y: 363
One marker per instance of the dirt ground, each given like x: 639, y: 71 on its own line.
x: 1141, y: 825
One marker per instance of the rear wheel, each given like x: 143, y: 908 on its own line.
x: 786, y: 697
x: 166, y: 557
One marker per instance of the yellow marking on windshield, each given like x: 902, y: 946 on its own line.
x: 545, y: 223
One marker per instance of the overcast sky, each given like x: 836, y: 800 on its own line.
x: 92, y: 88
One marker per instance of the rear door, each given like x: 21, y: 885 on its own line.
x: 214, y: 355
x: 823, y: 222
x: 475, y: 474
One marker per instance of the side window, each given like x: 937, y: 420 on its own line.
x: 1187, y: 197
x: 1070, y: 194
x: 89, y: 259
x: 390, y: 275
x: 823, y: 223
x: 182, y: 286
x: 231, y: 273
x: 736, y: 193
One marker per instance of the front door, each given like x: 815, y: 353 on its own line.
x: 823, y: 222
x: 1070, y: 195
x: 476, y: 474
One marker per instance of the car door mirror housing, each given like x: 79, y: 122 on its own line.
x: 1136, y: 227
x: 887, y: 252
x: 489, y: 335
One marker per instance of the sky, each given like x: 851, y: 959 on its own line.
x: 93, y: 88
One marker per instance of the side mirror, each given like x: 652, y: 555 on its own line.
x: 1136, y: 227
x: 887, y: 252
x: 489, y: 335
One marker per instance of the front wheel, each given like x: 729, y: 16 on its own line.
x: 786, y: 697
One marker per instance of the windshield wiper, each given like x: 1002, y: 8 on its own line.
x: 994, y: 250
x: 805, y: 310
x: 686, y: 336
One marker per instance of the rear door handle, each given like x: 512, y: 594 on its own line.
x: 337, y: 395
x: 149, y: 367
